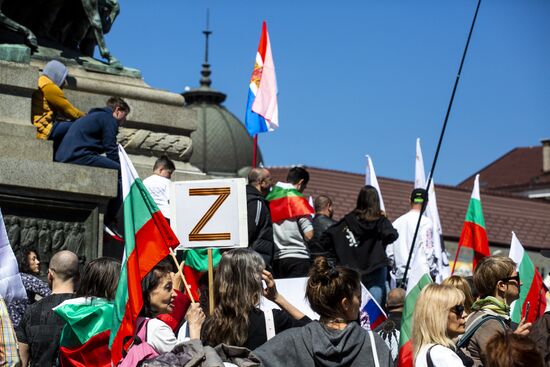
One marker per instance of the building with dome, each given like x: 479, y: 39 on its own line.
x: 222, y: 146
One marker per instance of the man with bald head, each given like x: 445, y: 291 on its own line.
x: 40, y: 328
x: 260, y: 227
x: 390, y: 329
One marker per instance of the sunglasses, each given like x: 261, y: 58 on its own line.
x: 458, y: 310
x: 516, y: 278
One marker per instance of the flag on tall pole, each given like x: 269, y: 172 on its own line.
x: 473, y: 233
x: 11, y: 285
x: 262, y: 113
x: 533, y: 290
x: 370, y: 179
x: 147, y: 240
x: 443, y: 270
x: 419, y: 277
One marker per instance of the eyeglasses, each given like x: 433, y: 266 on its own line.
x: 516, y: 278
x: 458, y: 310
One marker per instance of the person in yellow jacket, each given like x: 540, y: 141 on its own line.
x: 50, y: 107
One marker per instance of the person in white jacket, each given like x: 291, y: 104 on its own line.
x: 398, y: 252
x: 439, y: 318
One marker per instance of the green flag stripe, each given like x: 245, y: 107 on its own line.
x: 279, y: 193
x: 410, y: 302
x: 136, y: 213
x: 475, y: 213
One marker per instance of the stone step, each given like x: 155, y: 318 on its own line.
x: 56, y: 179
x: 16, y: 129
x: 25, y: 147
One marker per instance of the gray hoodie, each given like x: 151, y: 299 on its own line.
x: 314, y: 345
x: 56, y: 72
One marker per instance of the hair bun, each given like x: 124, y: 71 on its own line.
x: 323, y: 270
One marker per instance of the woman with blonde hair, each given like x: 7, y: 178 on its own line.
x: 439, y: 318
x: 462, y: 284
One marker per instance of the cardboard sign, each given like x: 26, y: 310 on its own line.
x: 209, y: 213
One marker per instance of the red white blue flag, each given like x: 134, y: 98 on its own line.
x: 262, y: 113
x: 372, y: 309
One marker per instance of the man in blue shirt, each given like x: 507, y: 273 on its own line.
x: 91, y: 136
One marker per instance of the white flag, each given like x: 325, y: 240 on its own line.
x: 431, y: 212
x: 11, y: 286
x: 370, y: 179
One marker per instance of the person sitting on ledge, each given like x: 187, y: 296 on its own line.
x: 50, y: 106
x: 91, y: 136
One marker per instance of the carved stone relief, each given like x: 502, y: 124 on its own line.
x: 139, y: 141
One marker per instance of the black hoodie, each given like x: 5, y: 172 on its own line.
x: 359, y: 244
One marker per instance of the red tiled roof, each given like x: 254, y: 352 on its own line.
x: 530, y: 219
x: 517, y: 170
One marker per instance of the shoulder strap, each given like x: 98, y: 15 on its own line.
x: 373, y: 347
x: 269, y: 324
x: 141, y: 334
x: 429, y: 360
x: 470, y: 331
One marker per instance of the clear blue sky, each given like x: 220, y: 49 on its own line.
x: 362, y: 77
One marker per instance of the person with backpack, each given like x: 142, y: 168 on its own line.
x: 498, y: 283
x: 359, y: 241
x: 439, y: 318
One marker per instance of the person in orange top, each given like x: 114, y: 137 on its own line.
x: 50, y: 107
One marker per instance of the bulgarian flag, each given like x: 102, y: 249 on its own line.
x: 473, y: 233
x: 532, y: 290
x: 419, y: 277
x: 85, y: 336
x: 196, y: 264
x: 285, y: 202
x: 147, y: 240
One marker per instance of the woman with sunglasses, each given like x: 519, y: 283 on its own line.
x: 498, y: 284
x: 439, y: 318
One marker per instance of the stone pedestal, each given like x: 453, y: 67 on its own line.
x: 50, y: 205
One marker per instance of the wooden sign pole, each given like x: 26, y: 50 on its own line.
x: 180, y: 271
x: 210, y: 282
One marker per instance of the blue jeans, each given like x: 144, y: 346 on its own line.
x: 59, y: 129
x: 375, y: 282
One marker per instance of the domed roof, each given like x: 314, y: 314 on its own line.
x: 221, y: 144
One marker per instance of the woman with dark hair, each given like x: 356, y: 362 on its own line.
x: 359, y: 241
x: 159, y: 297
x: 507, y: 349
x: 29, y: 268
x: 336, y: 339
x: 237, y: 319
x: 92, y: 310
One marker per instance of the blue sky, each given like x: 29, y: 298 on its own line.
x: 362, y: 77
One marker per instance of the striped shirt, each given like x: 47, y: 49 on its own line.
x: 9, y: 354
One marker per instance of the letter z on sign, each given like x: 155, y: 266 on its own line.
x: 223, y: 194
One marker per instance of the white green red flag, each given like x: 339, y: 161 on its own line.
x: 370, y: 179
x: 473, y: 233
x: 533, y: 290
x: 285, y: 202
x: 147, y: 240
x: 443, y: 270
x: 85, y: 337
x: 419, y: 277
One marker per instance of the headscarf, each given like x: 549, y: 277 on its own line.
x: 56, y: 72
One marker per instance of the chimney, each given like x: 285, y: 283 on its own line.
x: 545, y: 155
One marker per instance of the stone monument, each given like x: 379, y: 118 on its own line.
x: 57, y: 205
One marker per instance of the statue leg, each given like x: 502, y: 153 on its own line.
x: 92, y: 12
x: 31, y: 40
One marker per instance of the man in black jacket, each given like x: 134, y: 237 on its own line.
x: 321, y: 222
x: 260, y: 227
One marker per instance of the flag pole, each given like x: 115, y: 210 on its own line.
x: 449, y: 107
x: 456, y: 258
x: 255, y: 154
x: 180, y: 272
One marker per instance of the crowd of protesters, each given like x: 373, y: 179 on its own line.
x: 460, y: 322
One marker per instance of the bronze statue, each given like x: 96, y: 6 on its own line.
x: 79, y: 25
x: 14, y: 234
x: 31, y: 235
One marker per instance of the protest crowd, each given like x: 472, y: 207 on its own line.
x: 375, y: 305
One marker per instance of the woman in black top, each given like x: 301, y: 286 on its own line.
x: 359, y: 241
x: 237, y: 319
